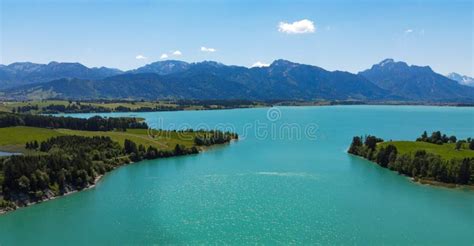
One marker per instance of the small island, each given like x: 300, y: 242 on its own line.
x: 57, y: 156
x: 436, y: 159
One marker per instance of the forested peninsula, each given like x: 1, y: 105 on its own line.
x: 61, y: 155
x: 436, y: 159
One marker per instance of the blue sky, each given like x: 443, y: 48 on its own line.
x: 345, y: 35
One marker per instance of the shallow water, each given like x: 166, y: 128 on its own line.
x: 265, y: 188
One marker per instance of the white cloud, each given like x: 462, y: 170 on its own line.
x: 164, y: 56
x: 260, y: 64
x: 141, y: 57
x: 408, y: 31
x: 297, y: 27
x: 205, y: 49
x: 177, y: 53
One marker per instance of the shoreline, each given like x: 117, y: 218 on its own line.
x: 164, y: 111
x: 435, y: 183
x: 422, y: 181
x: 275, y: 105
x: 91, y: 186
x: 99, y: 178
x: 287, y: 104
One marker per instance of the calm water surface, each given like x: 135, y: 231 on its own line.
x: 7, y: 153
x: 278, y: 188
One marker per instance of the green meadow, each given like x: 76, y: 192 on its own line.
x: 9, y: 106
x: 446, y: 151
x: 13, y: 139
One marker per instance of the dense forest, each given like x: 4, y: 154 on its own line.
x: 63, y: 164
x: 418, y: 164
x: 95, y: 123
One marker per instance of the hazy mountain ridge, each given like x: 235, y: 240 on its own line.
x: 387, y: 80
x: 461, y: 79
x: 22, y: 73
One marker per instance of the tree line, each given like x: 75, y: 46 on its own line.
x: 95, y: 123
x: 139, y: 152
x: 419, y: 164
x: 87, y: 108
x: 214, y: 137
x: 74, y: 108
x: 25, y: 109
x: 438, y: 138
x: 78, y: 107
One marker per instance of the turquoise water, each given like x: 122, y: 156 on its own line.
x: 274, y: 188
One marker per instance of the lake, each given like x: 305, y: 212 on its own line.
x: 7, y: 153
x: 287, y: 180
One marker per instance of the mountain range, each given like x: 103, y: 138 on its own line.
x: 282, y: 80
x: 21, y: 73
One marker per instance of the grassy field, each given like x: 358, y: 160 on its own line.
x: 8, y: 106
x: 132, y: 105
x: 446, y: 151
x: 13, y: 139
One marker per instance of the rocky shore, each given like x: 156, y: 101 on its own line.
x: 24, y: 200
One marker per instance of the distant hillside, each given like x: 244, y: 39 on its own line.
x: 461, y: 79
x: 212, y: 80
x: 61, y: 88
x: 416, y: 83
x: 282, y: 80
x: 22, y: 73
